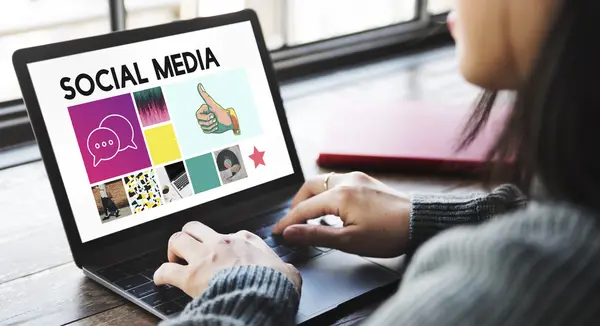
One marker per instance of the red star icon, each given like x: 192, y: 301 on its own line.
x: 257, y: 157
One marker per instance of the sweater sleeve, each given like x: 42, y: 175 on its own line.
x: 433, y: 213
x: 243, y: 295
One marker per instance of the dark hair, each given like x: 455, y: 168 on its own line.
x: 552, y: 134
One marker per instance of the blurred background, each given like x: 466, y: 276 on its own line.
x: 304, y: 36
x: 285, y: 23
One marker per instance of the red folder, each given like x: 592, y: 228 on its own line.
x: 404, y: 137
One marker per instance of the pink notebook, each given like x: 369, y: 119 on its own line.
x: 405, y: 137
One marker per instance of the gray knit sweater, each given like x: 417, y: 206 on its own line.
x: 538, y: 264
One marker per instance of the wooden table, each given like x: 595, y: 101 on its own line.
x: 40, y: 285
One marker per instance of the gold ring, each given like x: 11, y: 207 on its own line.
x: 326, y: 182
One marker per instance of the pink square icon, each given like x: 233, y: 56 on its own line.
x: 110, y: 137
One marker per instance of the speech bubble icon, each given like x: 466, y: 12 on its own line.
x: 103, y: 144
x: 123, y: 128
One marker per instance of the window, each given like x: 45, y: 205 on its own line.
x: 28, y: 23
x: 285, y: 22
x: 142, y: 13
x: 305, y: 36
x: 315, y: 20
x: 440, y: 6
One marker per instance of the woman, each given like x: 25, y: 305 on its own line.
x: 517, y: 263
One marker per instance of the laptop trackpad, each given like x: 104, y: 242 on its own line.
x: 336, y: 278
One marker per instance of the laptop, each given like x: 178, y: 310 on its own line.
x: 179, y: 179
x: 118, y: 109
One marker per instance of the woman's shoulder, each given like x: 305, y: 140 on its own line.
x: 538, y: 222
x: 524, y: 264
x: 550, y: 218
x: 546, y: 234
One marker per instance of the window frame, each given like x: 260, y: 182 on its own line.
x: 293, y: 62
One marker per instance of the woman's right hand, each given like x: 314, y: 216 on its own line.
x: 376, y: 217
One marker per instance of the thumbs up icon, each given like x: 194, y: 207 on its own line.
x: 213, y: 118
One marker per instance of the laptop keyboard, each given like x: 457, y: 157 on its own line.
x: 135, y: 276
x: 182, y: 181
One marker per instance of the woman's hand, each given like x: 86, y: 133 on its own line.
x: 376, y: 218
x: 207, y: 252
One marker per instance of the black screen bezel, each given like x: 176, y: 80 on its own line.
x: 22, y: 57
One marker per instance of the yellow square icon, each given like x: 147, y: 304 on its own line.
x: 162, y: 144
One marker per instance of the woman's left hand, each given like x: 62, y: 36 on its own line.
x: 207, y: 252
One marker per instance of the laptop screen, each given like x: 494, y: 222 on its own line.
x: 143, y: 130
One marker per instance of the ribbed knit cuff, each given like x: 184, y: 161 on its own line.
x: 250, y: 295
x: 431, y: 214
